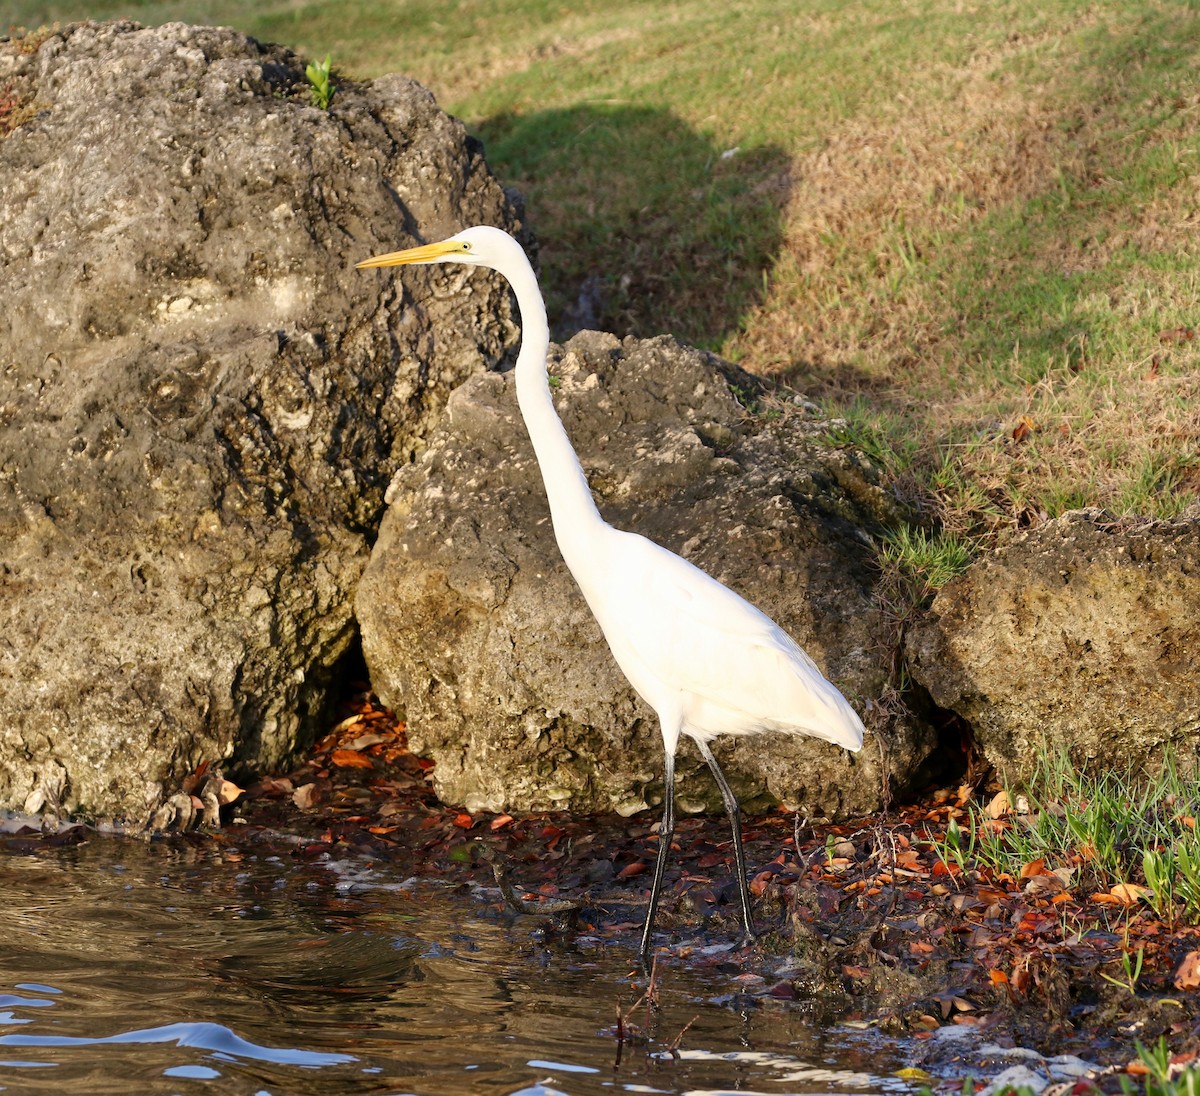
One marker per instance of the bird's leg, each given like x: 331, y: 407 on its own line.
x: 735, y: 817
x: 665, y: 832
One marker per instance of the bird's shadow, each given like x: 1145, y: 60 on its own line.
x: 645, y: 226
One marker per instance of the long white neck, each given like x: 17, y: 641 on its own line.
x: 572, y: 508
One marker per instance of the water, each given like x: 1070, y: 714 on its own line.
x: 171, y: 967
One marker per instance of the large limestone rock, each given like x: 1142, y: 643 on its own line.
x: 473, y: 627
x: 201, y: 401
x: 1083, y: 632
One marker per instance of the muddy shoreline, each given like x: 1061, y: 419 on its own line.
x: 860, y: 921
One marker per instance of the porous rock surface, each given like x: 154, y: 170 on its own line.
x: 201, y: 401
x: 474, y: 629
x: 1084, y: 633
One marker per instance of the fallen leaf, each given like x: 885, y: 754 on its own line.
x: 227, y: 792
x: 1188, y: 974
x: 636, y: 868
x: 464, y: 821
x: 365, y: 740
x: 1000, y: 805
x: 346, y: 724
x: 1025, y: 426
x: 1033, y: 868
x: 500, y: 821
x: 1128, y: 893
x: 305, y: 797
x: 998, y: 977
x: 350, y: 759
x: 759, y: 883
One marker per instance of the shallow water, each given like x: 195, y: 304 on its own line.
x: 168, y: 967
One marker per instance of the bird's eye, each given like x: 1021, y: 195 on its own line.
x: 466, y: 246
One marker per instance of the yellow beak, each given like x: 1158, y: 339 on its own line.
x: 426, y: 253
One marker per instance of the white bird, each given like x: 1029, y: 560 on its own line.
x: 707, y: 661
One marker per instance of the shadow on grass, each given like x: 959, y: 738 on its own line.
x: 644, y: 225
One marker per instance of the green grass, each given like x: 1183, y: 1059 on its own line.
x: 1098, y: 830
x: 966, y: 230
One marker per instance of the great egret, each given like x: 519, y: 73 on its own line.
x: 708, y: 662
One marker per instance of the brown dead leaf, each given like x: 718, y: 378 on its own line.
x: 760, y: 882
x: 1025, y: 426
x: 1000, y: 806
x: 347, y: 723
x: 1188, y: 974
x: 306, y: 796
x: 1033, y: 869
x: 350, y: 759
x: 227, y: 792
x: 1128, y: 893
x: 365, y: 740
x: 500, y: 821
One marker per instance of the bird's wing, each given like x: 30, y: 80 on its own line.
x: 690, y: 633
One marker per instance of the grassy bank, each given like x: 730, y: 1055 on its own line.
x: 977, y: 244
x: 969, y: 229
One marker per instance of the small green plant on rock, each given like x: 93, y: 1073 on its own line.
x: 321, y: 87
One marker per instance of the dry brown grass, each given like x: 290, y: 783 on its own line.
x: 864, y: 298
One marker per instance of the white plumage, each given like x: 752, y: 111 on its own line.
x: 707, y: 661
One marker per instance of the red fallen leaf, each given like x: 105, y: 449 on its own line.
x: 1188, y: 974
x: 921, y: 947
x: 1025, y: 426
x: 630, y: 870
x: 464, y: 821
x: 500, y: 821
x: 350, y: 759
x: 855, y: 972
x: 998, y: 977
x: 382, y: 829
x: 759, y: 883
x: 426, y: 763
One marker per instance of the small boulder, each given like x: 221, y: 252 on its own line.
x: 1083, y: 632
x: 474, y: 629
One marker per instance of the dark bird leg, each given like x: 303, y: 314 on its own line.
x: 665, y: 833
x: 735, y: 817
